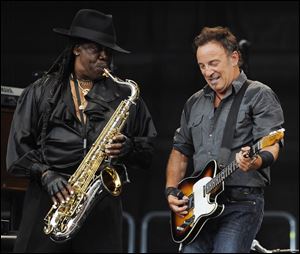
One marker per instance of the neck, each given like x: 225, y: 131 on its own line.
x: 82, y: 78
x: 219, y: 96
x: 83, y: 83
x: 217, y: 100
x: 236, y: 73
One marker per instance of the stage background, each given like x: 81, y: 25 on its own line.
x: 159, y: 34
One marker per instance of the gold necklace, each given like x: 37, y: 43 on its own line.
x: 83, y: 104
x: 82, y: 93
x: 82, y: 81
x: 84, y: 90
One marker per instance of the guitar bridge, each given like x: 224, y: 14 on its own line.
x: 185, y: 224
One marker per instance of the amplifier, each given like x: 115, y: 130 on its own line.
x: 10, y: 95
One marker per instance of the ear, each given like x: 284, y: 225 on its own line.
x: 76, y: 50
x: 235, y: 58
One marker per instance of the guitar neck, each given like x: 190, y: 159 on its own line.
x: 228, y: 170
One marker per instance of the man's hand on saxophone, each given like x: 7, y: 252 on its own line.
x: 120, y: 146
x: 56, y: 186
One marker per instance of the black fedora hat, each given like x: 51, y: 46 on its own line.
x: 94, y: 26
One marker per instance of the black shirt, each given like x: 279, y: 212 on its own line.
x: 63, y: 147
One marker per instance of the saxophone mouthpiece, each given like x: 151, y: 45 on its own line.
x: 105, y: 72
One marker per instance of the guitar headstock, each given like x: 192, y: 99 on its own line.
x: 272, y: 138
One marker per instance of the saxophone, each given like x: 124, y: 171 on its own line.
x: 65, y: 219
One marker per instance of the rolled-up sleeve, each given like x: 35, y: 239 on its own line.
x: 267, y: 113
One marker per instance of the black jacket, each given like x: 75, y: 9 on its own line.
x: 47, y: 105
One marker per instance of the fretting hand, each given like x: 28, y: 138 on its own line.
x: 244, y: 161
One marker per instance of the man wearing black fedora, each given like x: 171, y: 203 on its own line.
x: 57, y: 120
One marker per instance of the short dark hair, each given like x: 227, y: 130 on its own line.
x: 218, y: 34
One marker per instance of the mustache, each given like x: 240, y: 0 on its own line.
x: 102, y: 65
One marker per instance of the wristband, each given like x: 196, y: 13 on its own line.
x: 174, y: 192
x: 267, y: 159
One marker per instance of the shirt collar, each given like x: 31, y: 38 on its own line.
x: 238, y: 83
x: 105, y: 90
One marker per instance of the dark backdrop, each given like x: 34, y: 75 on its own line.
x: 160, y: 35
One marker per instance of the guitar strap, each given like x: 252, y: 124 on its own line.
x: 228, y: 133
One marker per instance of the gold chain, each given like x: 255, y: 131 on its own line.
x: 85, y: 90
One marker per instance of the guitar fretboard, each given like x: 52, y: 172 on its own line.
x: 228, y: 170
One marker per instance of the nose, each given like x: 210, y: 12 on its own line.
x: 104, y: 54
x: 207, y: 71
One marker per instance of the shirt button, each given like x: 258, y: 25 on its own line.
x: 209, y: 153
x: 210, y: 135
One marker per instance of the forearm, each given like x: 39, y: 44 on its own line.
x: 274, y: 150
x: 257, y: 162
x: 176, y: 168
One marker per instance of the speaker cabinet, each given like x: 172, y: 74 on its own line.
x: 8, y: 181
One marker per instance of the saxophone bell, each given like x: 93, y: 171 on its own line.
x: 111, y: 180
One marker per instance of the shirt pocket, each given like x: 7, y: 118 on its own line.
x: 196, y: 131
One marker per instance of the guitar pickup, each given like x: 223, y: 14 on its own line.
x: 190, y: 203
x: 186, y: 223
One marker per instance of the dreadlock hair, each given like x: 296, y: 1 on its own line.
x: 64, y: 63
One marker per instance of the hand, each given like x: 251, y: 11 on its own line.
x: 178, y: 202
x: 120, y: 146
x: 243, y: 160
x: 57, y: 187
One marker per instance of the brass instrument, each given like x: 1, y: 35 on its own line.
x: 65, y: 219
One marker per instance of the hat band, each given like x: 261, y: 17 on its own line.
x: 91, y: 34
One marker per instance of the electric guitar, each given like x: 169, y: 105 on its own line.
x: 202, y: 191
